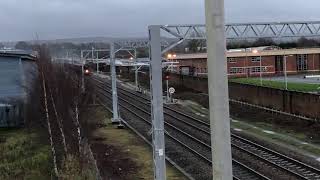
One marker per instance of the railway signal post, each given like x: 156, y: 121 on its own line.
x: 218, y: 90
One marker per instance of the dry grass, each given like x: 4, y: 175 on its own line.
x: 24, y: 156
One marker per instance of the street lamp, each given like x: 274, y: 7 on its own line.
x: 169, y: 56
x: 285, y: 70
x: 255, y: 51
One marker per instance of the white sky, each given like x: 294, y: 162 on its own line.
x: 54, y: 19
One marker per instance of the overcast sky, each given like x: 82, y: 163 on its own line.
x: 54, y: 19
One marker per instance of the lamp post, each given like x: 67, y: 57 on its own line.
x: 255, y: 51
x: 285, y: 70
x: 246, y: 62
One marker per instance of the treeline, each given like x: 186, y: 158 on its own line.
x: 300, y: 43
x: 196, y: 46
x: 55, y: 104
x: 67, y: 49
x: 193, y: 46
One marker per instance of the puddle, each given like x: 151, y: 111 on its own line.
x: 304, y: 143
x: 203, y: 108
x: 269, y: 132
x: 203, y: 115
x: 234, y: 120
x: 198, y: 114
x: 318, y: 159
x: 236, y: 129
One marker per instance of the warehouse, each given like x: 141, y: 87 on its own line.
x: 270, y: 61
x: 15, y: 70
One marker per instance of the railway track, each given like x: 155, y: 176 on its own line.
x: 256, y: 152
x: 189, y: 142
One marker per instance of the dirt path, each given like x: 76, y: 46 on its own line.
x: 120, y: 154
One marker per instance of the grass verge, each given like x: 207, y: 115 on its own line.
x: 23, y: 155
x: 292, y: 140
x: 302, y: 87
x: 266, y: 131
x: 134, y: 151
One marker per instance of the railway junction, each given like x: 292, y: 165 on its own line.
x: 186, y: 137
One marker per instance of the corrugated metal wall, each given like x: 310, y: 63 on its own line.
x: 12, y: 93
x: 11, y: 115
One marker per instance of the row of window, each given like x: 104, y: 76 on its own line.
x: 253, y: 59
x: 241, y: 70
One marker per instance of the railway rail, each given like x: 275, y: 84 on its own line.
x: 197, y: 144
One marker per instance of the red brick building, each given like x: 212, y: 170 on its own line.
x: 246, y: 62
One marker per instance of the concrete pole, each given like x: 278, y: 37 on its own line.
x: 115, y: 118
x: 97, y: 62
x: 245, y: 64
x: 157, y: 104
x: 168, y: 97
x: 285, y: 72
x: 82, y: 72
x: 261, y: 71
x: 218, y: 90
x: 136, y: 73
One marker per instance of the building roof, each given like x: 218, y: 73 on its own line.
x: 25, y: 55
x: 248, y: 52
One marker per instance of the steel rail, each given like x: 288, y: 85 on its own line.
x: 304, y: 171
x: 240, y: 165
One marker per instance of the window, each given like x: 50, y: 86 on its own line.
x: 302, y: 62
x: 255, y: 59
x: 232, y: 60
x: 236, y: 70
x: 258, y: 70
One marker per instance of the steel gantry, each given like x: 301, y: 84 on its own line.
x: 235, y: 31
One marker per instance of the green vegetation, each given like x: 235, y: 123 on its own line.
x: 302, y: 87
x: 268, y: 132
x: 296, y: 141
x: 72, y: 170
x: 23, y: 155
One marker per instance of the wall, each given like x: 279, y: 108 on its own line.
x: 269, y: 61
x: 304, y: 104
x: 14, y: 78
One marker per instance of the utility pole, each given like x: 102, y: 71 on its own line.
x: 82, y: 71
x: 115, y: 118
x: 168, y: 96
x: 157, y: 104
x: 97, y: 62
x: 136, y: 71
x: 218, y: 90
x: 285, y: 72
x: 261, y: 70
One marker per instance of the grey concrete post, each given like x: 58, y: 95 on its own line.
x: 136, y: 73
x: 115, y: 118
x: 261, y: 70
x: 218, y: 90
x: 97, y: 62
x: 285, y: 72
x: 82, y: 72
x: 157, y: 104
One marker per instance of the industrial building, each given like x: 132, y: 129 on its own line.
x: 14, y: 72
x: 270, y: 61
